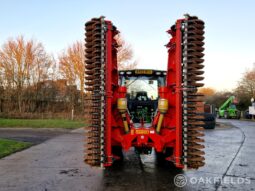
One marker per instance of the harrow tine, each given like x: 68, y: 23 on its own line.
x: 94, y: 41
x: 192, y: 70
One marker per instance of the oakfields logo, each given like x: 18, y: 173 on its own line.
x: 181, y: 180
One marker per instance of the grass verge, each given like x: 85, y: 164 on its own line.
x: 8, y: 147
x: 41, y: 123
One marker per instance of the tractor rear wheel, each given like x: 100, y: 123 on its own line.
x: 161, y: 156
x: 117, y: 151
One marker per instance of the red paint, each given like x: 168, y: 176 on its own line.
x: 108, y: 95
x: 156, y: 141
x: 171, y: 131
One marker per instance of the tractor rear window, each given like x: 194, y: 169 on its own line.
x: 142, y: 88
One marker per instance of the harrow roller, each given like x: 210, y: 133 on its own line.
x: 98, y: 34
x: 93, y: 54
x: 192, y: 66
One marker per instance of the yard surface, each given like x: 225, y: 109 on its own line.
x: 41, y: 123
x: 8, y: 147
x: 57, y: 164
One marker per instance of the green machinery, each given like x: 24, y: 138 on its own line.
x: 228, y: 109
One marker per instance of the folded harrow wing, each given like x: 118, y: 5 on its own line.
x: 144, y: 109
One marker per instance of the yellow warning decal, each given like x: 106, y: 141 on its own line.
x: 143, y: 71
x: 142, y: 132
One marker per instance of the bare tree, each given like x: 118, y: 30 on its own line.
x: 125, y: 54
x: 246, y: 88
x: 207, y: 91
x: 71, y: 65
x: 247, y: 84
x: 23, y: 63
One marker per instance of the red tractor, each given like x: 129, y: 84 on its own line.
x: 144, y: 109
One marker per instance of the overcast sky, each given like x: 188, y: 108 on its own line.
x: 230, y: 29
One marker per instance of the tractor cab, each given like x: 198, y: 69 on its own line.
x: 232, y: 106
x: 142, y: 92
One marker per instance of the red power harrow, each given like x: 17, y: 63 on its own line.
x: 176, y: 128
